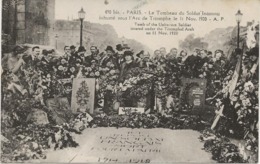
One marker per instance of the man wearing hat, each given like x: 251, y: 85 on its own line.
x: 81, y: 54
x: 108, y: 57
x: 73, y: 54
x: 119, y: 55
x: 72, y: 50
x: 145, y: 62
x: 139, y: 57
x: 44, y: 64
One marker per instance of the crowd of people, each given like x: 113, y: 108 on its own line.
x: 77, y: 63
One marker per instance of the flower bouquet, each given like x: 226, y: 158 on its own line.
x: 136, y: 88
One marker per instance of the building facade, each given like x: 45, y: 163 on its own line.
x: 67, y: 32
x: 28, y: 21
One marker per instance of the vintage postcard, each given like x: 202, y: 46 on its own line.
x: 130, y: 81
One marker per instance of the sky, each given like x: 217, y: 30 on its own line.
x: 68, y: 9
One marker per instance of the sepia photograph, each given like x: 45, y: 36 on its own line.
x: 129, y: 81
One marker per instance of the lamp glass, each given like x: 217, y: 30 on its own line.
x: 239, y: 16
x: 81, y: 14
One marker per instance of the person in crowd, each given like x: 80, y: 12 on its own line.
x: 126, y: 66
x: 67, y: 54
x: 35, y: 52
x: 171, y: 60
x: 94, y: 51
x: 45, y: 56
x: 109, y: 57
x: 14, y: 60
x: 34, y: 55
x: 94, y: 57
x: 52, y: 59
x: 163, y: 52
x: 173, y: 54
x: 81, y: 55
x: 119, y: 55
x: 33, y: 59
x: 139, y: 57
x: 210, y: 55
x: 219, y: 59
x: 192, y: 63
x: 15, y: 63
x: 160, y: 56
x: 183, y: 56
x: 46, y: 62
x: 73, y: 54
x: 156, y: 55
x: 203, y: 58
x: 145, y: 62
x: 180, y: 60
x: 51, y: 55
x: 73, y: 50
x: 219, y: 66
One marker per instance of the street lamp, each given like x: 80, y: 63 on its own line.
x: 238, y: 18
x: 56, y: 38
x: 81, y: 18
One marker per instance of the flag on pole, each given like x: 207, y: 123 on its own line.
x: 232, y: 85
x: 233, y: 81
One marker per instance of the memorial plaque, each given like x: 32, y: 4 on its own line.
x: 193, y: 92
x: 83, y: 95
x: 125, y: 145
x: 129, y: 110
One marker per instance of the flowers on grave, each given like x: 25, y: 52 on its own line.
x: 31, y: 141
x: 221, y: 148
x: 137, y: 87
x: 80, y: 123
x: 138, y: 120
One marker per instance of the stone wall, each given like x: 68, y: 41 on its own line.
x: 28, y: 21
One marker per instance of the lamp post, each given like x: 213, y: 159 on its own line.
x: 81, y: 18
x: 56, y: 38
x: 238, y: 19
